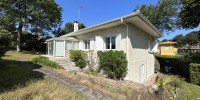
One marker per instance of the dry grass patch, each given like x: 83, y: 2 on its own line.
x: 46, y: 89
x: 13, y: 55
x: 118, y: 90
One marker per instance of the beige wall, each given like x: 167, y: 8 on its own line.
x: 137, y: 53
x: 108, y: 32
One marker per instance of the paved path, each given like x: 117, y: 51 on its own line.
x: 87, y: 92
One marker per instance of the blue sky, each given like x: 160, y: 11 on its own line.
x: 98, y: 11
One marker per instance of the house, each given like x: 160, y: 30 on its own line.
x: 167, y: 48
x: 133, y: 34
x: 188, y: 48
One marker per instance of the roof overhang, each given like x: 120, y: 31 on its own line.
x: 63, y: 38
x: 137, y: 19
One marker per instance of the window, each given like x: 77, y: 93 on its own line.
x: 166, y: 48
x: 111, y: 43
x: 71, y: 45
x: 87, y: 44
x: 68, y: 45
x: 107, y: 43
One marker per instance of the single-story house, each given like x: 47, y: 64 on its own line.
x: 188, y: 48
x: 133, y: 34
x: 167, y: 48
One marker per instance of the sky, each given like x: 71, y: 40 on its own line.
x: 97, y: 11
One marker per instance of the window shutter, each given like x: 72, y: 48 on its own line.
x: 118, y: 42
x: 81, y: 45
x: 92, y: 44
x: 155, y: 45
x: 149, y: 45
x: 99, y: 43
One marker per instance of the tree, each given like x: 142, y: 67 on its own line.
x: 192, y: 38
x: 163, y: 15
x: 69, y: 27
x: 190, y: 13
x: 38, y: 16
x: 164, y: 40
x: 180, y: 39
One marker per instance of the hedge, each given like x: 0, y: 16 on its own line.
x: 46, y: 62
x: 178, y: 64
x: 113, y: 63
x: 77, y: 56
x: 157, y: 65
x: 195, y: 73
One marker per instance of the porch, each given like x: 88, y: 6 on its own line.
x: 60, y: 47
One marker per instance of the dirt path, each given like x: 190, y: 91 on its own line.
x: 87, y: 92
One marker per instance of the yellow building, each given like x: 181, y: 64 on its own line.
x: 167, y: 48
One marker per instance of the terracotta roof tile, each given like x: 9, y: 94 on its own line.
x: 168, y: 42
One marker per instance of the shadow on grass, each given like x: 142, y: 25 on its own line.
x: 15, y: 74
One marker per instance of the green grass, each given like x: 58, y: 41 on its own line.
x: 13, y: 55
x: 44, y: 61
x: 189, y: 92
x: 186, y: 91
x: 18, y: 82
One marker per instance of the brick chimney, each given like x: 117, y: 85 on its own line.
x: 75, y: 26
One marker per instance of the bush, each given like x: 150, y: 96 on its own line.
x: 46, y: 62
x: 195, y: 73
x: 157, y: 65
x: 114, y: 63
x: 178, y: 64
x: 77, y: 56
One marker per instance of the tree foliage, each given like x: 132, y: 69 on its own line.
x: 39, y: 16
x: 164, y: 40
x: 163, y: 15
x: 180, y: 39
x: 69, y: 27
x: 190, y: 13
x: 191, y: 38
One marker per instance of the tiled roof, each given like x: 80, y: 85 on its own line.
x: 189, y: 47
x: 168, y: 42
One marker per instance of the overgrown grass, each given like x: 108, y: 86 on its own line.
x: 186, y: 91
x: 46, y: 89
x: 13, y: 55
x: 13, y: 75
x: 18, y: 82
x: 46, y: 62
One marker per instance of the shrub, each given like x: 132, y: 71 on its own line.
x: 195, y: 73
x: 46, y: 62
x: 178, y: 64
x: 157, y: 65
x: 114, y: 63
x: 77, y: 56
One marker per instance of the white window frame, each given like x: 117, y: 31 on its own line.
x: 87, y: 44
x: 49, y: 45
x: 168, y: 47
x: 110, y: 43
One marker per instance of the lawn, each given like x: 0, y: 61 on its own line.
x: 186, y: 91
x: 17, y: 82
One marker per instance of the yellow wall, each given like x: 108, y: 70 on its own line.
x: 172, y: 49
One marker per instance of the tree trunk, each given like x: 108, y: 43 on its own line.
x: 19, y: 32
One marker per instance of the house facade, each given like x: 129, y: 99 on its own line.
x: 133, y: 34
x: 167, y: 48
x: 188, y: 49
